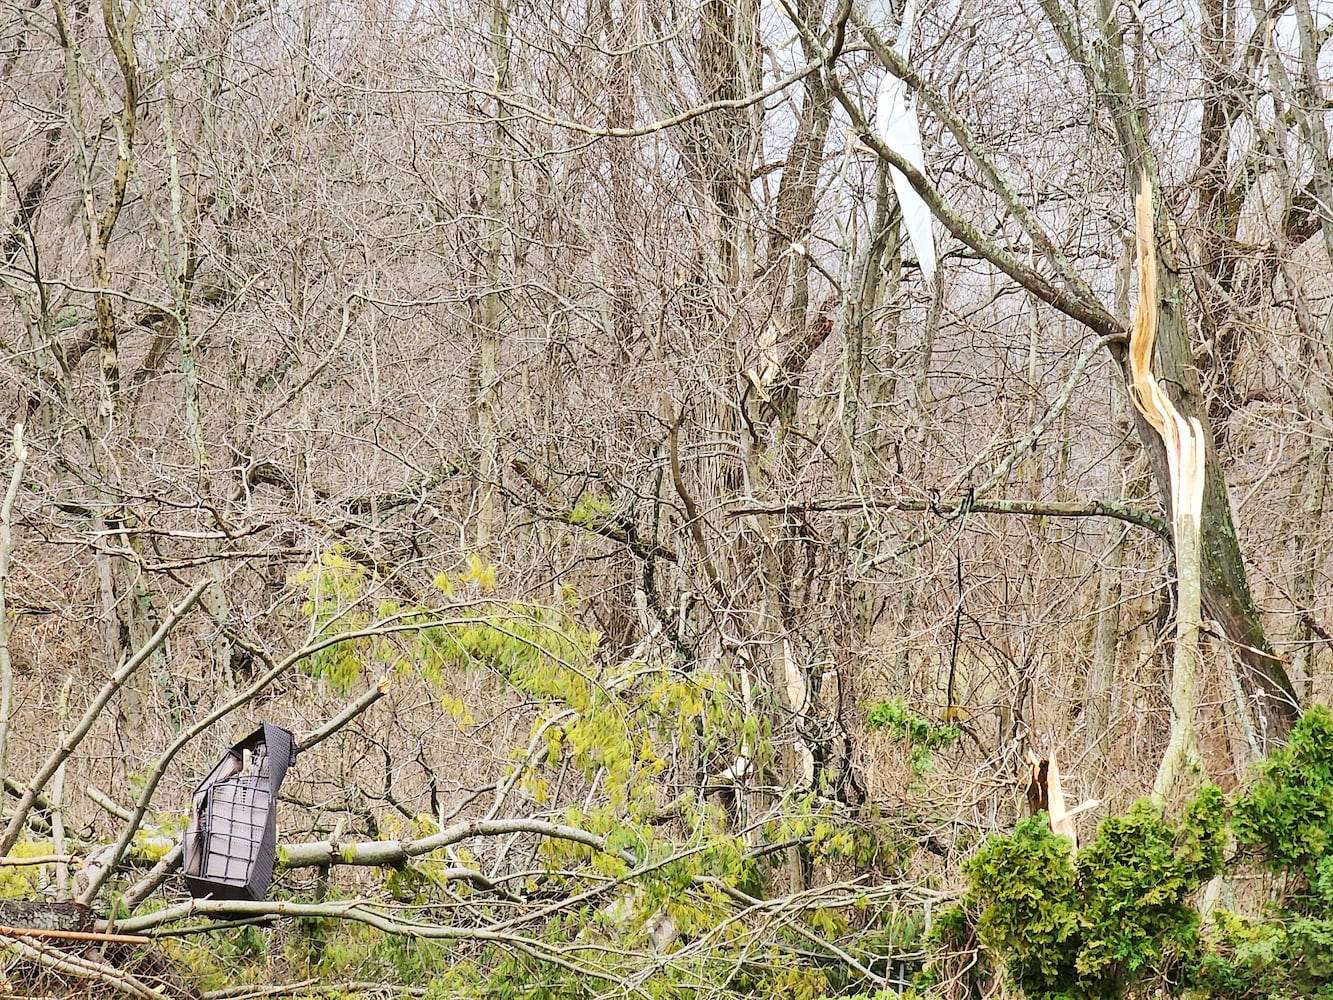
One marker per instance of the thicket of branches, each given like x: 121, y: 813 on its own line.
x: 539, y: 411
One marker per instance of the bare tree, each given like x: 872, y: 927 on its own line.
x: 543, y: 409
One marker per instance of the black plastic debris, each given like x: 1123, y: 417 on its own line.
x: 232, y: 839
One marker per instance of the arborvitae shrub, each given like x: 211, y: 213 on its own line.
x: 1121, y: 919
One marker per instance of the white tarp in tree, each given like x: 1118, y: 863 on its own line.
x: 896, y: 124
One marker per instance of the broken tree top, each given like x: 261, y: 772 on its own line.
x: 232, y: 839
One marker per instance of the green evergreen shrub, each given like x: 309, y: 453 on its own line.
x: 1122, y: 917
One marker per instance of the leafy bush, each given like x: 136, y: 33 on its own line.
x: 1287, y: 816
x: 921, y: 736
x: 1093, y: 925
x: 1119, y: 919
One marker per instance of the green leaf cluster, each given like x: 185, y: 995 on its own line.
x: 920, y: 735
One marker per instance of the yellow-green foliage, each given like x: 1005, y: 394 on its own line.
x: 619, y: 725
x: 25, y: 881
x: 590, y: 510
x: 222, y: 959
x: 158, y: 835
x: 622, y: 714
x: 798, y: 981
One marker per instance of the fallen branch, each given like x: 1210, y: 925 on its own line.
x: 1029, y: 508
x: 41, y: 859
x: 99, y: 936
x: 380, y: 853
x: 206, y: 915
x: 82, y: 967
x: 255, y: 992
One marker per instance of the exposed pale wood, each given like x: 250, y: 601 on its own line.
x: 1186, y: 451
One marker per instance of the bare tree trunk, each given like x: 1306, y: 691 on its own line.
x: 1315, y: 346
x: 486, y: 371
x: 6, y: 550
x: 99, y: 225
x: 1308, y: 545
x: 1102, y: 674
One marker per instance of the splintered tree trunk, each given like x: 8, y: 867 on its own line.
x: 1186, y: 446
x: 1225, y: 590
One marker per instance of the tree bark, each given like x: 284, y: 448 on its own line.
x: 1227, y: 601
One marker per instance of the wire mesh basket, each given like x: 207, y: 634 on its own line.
x: 231, y: 843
